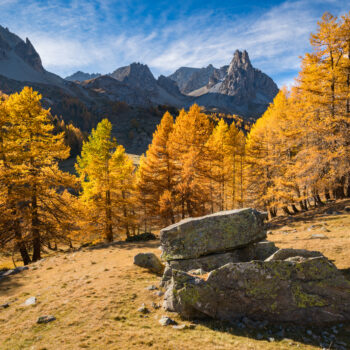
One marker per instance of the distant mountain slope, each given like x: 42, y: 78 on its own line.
x: 81, y: 76
x: 182, y: 76
x: 162, y: 91
x: 20, y: 61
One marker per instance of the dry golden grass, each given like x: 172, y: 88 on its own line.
x: 296, y: 232
x: 95, y: 293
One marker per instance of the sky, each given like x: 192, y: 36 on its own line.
x: 102, y: 35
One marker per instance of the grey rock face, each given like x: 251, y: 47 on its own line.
x: 310, y: 291
x: 182, y: 76
x: 19, y: 60
x: 149, y: 261
x: 169, y: 85
x: 215, y: 233
x: 136, y: 75
x: 246, y: 83
x: 198, y: 79
x: 283, y: 254
x: 204, y: 264
x: 27, y: 52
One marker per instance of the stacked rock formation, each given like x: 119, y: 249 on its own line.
x: 220, y: 266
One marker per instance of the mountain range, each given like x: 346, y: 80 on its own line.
x: 131, y: 96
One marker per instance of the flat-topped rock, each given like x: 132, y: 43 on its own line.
x: 254, y: 251
x: 307, y: 291
x: 215, y: 233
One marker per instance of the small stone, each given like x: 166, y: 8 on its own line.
x: 46, y: 319
x: 5, y: 306
x: 271, y: 339
x: 318, y: 236
x: 8, y: 273
x: 167, y: 321
x: 180, y: 326
x: 152, y: 287
x: 159, y: 293
x: 30, y: 301
x: 143, y: 309
x: 149, y: 261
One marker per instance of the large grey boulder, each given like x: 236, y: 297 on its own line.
x: 215, y: 233
x: 149, y: 261
x: 308, y: 291
x: 254, y: 251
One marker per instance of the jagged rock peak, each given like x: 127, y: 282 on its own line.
x: 240, y: 60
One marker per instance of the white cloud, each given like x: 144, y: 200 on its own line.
x: 85, y: 35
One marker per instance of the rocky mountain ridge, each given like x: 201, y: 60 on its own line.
x: 131, y: 96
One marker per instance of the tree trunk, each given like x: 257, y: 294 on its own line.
x: 21, y: 245
x: 108, y: 228
x: 295, y: 210
x: 286, y: 210
x: 35, y: 227
x: 319, y: 200
x: 327, y: 195
x: 302, y: 206
x: 273, y: 212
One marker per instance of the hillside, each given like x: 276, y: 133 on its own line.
x: 94, y: 293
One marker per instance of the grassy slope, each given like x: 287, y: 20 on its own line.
x: 95, y: 294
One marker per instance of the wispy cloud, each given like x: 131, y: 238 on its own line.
x: 101, y: 35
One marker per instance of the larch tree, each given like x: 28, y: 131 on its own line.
x: 217, y: 169
x: 105, y: 172
x: 187, y: 152
x: 155, y: 175
x: 37, y: 180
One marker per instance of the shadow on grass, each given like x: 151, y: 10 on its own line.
x: 346, y: 273
x: 8, y: 283
x: 124, y: 245
x: 285, y: 334
x: 311, y: 215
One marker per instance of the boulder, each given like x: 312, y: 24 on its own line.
x: 254, y: 251
x: 307, y: 291
x: 216, y: 233
x: 149, y: 261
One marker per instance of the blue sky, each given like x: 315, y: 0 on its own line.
x: 102, y: 35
